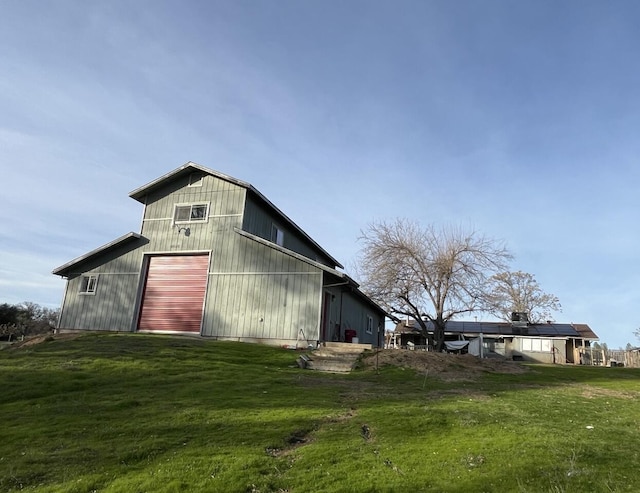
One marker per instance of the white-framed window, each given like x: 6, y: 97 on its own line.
x: 88, y: 284
x: 195, y: 180
x: 277, y: 235
x: 189, y: 213
x: 369, y: 327
x: 536, y: 345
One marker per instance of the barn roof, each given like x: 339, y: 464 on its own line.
x: 581, y: 331
x: 65, y: 269
x: 140, y: 193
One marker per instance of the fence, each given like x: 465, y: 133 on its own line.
x: 630, y: 359
x: 609, y: 357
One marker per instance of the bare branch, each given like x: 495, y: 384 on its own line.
x: 433, y: 272
x: 519, y: 292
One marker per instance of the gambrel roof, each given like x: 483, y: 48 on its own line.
x: 140, y: 193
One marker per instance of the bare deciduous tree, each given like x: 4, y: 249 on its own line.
x: 427, y: 273
x: 519, y: 292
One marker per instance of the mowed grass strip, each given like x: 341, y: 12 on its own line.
x: 143, y: 413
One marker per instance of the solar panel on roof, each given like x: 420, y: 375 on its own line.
x: 568, y: 331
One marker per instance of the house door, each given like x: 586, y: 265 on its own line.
x: 173, y: 297
x: 325, y: 330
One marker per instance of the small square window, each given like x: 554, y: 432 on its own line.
x: 198, y: 212
x: 277, y: 235
x: 89, y: 284
x: 190, y: 213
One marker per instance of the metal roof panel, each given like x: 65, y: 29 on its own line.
x: 64, y: 269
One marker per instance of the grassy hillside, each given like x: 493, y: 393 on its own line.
x: 136, y: 413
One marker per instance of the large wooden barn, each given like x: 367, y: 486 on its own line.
x: 216, y: 258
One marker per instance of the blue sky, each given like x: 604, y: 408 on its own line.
x: 517, y: 118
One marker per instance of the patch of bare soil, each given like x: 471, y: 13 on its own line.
x: 445, y: 366
x: 593, y: 392
x: 31, y: 341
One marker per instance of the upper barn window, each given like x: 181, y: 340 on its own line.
x: 88, y: 284
x: 188, y: 213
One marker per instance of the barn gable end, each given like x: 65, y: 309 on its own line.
x: 214, y: 257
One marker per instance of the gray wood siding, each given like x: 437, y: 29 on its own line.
x: 226, y: 205
x: 112, y: 306
x: 354, y: 316
x: 259, y: 221
x: 262, y: 294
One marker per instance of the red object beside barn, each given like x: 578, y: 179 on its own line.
x: 349, y: 334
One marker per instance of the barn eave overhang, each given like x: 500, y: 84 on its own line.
x: 66, y: 269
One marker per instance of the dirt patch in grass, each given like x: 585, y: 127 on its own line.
x: 32, y: 341
x: 449, y: 367
x: 593, y: 392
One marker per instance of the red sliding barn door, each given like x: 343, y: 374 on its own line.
x: 173, y: 297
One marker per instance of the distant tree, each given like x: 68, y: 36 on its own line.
x: 9, y: 321
x: 629, y: 346
x: 25, y: 319
x: 427, y: 273
x: 38, y: 318
x: 9, y: 314
x: 519, y: 292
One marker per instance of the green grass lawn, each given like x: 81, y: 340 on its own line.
x: 136, y: 413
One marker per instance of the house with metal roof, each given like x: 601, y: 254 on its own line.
x: 216, y: 258
x: 519, y: 340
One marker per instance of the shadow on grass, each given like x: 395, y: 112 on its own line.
x: 123, y: 403
x: 138, y: 412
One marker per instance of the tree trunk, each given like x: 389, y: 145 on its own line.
x: 438, y: 334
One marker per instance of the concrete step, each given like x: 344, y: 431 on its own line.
x: 321, y: 354
x: 336, y: 366
x: 333, y: 357
x: 327, y: 351
x: 345, y: 347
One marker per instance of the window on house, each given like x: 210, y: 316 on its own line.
x: 89, y: 284
x: 537, y: 345
x: 277, y: 235
x: 195, y: 180
x: 190, y: 213
x: 369, y: 324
